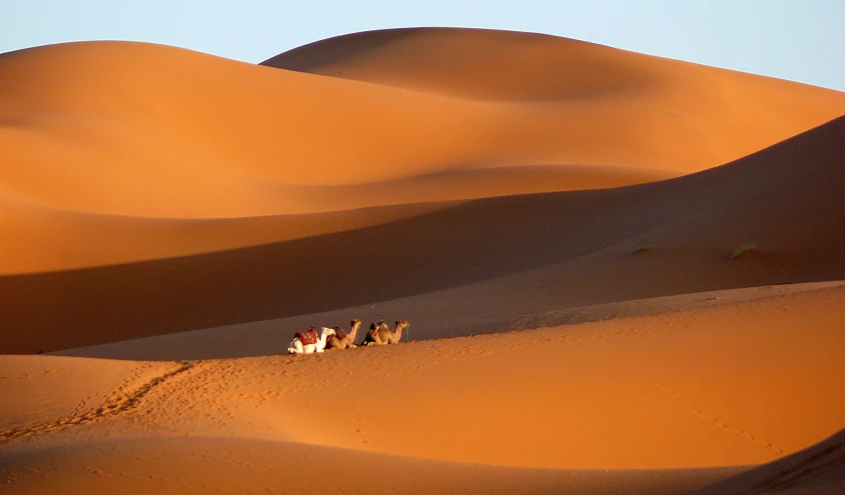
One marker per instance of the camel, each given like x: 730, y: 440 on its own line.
x: 381, y: 334
x: 308, y: 342
x: 343, y: 340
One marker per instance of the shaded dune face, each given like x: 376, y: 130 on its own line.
x: 695, y: 221
x: 817, y: 470
x: 189, y: 466
x: 473, y: 64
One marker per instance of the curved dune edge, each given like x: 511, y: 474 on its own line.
x: 640, y: 392
x: 486, y: 64
x: 201, y: 465
x: 476, y: 64
x: 155, y: 131
x: 816, y: 470
x: 684, y: 389
x: 556, y: 250
x: 432, y: 317
x: 53, y: 239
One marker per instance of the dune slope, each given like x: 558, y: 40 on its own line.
x: 817, y: 470
x: 164, y: 134
x: 568, y: 249
x: 656, y: 397
x: 645, y: 101
x: 203, y: 465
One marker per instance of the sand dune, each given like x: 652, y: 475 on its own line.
x: 201, y: 465
x: 557, y: 250
x: 131, y: 132
x: 442, y: 314
x: 817, y: 470
x: 633, y: 103
x: 496, y: 65
x: 651, y: 393
x: 624, y: 273
x: 474, y: 64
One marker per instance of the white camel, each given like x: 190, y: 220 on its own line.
x: 308, y: 342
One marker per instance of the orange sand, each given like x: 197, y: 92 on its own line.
x: 651, y: 247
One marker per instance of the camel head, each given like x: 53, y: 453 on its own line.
x: 402, y: 324
x: 355, y: 323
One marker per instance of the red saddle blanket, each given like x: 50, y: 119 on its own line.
x: 309, y: 337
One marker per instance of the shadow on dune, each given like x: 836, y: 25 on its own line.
x: 467, y: 243
x: 308, y: 58
x: 816, y: 470
x: 180, y: 464
x: 476, y: 64
x: 787, y: 199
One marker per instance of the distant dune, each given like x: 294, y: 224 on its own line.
x: 160, y: 133
x: 654, y: 248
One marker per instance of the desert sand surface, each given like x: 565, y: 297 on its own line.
x: 624, y: 274
x: 679, y: 398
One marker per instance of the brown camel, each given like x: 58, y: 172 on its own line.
x: 381, y: 334
x: 343, y: 340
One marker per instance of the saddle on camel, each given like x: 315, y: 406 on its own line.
x: 307, y: 338
x: 339, y: 332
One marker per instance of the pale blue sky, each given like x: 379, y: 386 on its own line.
x: 800, y: 40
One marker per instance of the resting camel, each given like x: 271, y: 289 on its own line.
x: 308, y: 342
x: 343, y: 340
x: 381, y: 334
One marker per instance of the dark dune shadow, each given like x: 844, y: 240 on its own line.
x: 421, y: 254
x: 307, y: 58
x: 198, y: 458
x: 816, y: 470
x: 788, y: 199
